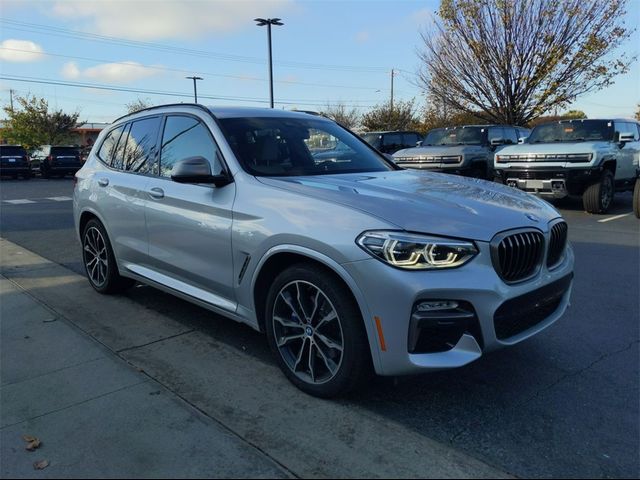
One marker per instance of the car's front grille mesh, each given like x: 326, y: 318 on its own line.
x: 557, y: 243
x: 519, y: 255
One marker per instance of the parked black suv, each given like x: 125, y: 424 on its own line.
x: 14, y: 161
x: 391, y: 142
x: 58, y: 160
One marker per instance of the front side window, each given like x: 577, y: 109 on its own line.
x: 141, y: 145
x: 392, y: 139
x: 270, y: 146
x: 373, y: 139
x: 510, y: 135
x: 573, y: 131
x: 186, y: 137
x: 457, y: 136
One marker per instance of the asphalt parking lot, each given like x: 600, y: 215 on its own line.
x: 563, y: 404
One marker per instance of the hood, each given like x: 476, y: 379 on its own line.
x: 555, y: 148
x: 441, y: 150
x: 434, y: 203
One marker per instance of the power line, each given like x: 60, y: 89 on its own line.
x: 168, y: 69
x: 64, y: 32
x: 46, y: 81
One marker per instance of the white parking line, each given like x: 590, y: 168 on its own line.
x: 19, y: 201
x: 60, y: 199
x: 614, y: 218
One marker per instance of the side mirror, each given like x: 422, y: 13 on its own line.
x: 626, y: 137
x: 497, y: 141
x: 419, y: 143
x: 522, y: 140
x: 197, y: 170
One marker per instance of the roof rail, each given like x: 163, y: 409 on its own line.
x: 197, y: 105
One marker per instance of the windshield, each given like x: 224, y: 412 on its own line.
x: 573, y: 131
x: 457, y: 136
x: 298, y: 146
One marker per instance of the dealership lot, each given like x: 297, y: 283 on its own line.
x: 561, y: 404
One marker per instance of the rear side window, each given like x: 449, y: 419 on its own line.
x: 10, y: 151
x: 141, y: 146
x: 108, y: 147
x: 118, y: 158
x: 186, y: 137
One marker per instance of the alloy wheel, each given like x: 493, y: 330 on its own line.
x: 95, y: 256
x: 308, y: 332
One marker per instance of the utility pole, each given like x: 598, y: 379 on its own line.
x: 261, y: 22
x: 195, y: 89
x: 392, y: 90
x: 11, y: 98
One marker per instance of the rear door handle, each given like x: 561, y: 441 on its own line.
x: 156, y: 192
x: 103, y: 182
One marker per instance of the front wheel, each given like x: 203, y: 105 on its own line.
x: 316, y: 331
x: 598, y: 198
x: 100, y: 262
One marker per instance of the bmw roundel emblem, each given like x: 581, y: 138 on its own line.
x: 533, y: 218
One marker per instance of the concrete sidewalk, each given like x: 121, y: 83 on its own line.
x: 95, y: 415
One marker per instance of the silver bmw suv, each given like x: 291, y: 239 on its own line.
x: 349, y: 265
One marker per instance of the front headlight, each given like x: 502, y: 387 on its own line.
x: 416, y: 252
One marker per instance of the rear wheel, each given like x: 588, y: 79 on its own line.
x: 598, y: 198
x: 99, y: 260
x: 636, y: 198
x: 316, y: 331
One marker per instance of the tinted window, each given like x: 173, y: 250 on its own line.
x: 372, y: 139
x: 410, y: 139
x: 141, y: 146
x: 109, y: 145
x: 389, y: 139
x: 10, y: 151
x: 572, y: 131
x: 510, y: 136
x: 186, y: 137
x: 457, y: 136
x: 298, y: 146
x: 65, y: 151
x: 118, y: 158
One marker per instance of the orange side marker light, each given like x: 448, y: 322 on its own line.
x: 383, y: 345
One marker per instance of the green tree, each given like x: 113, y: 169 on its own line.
x: 33, y: 124
x: 511, y: 61
x: 348, y: 117
x: 399, y: 116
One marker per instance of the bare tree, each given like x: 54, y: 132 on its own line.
x: 511, y: 61
x: 348, y: 117
x: 138, y: 104
x: 399, y: 116
x: 638, y: 112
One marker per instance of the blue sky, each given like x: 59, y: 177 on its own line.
x: 327, y: 51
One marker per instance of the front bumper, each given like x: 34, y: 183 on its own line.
x: 555, y: 182
x: 392, y: 294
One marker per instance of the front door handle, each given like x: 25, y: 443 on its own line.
x: 103, y: 182
x: 156, y: 192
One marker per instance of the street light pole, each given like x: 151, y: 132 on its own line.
x: 195, y: 89
x: 261, y: 22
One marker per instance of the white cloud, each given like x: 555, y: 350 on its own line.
x: 20, y: 51
x: 144, y: 20
x: 121, y: 72
x: 70, y: 71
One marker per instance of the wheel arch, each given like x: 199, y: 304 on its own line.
x: 282, y: 256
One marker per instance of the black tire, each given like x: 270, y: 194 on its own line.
x: 598, y: 198
x: 354, y: 365
x: 636, y: 198
x: 102, y: 273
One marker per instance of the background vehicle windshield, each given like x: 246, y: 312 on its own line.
x: 295, y: 146
x: 457, y: 136
x: 575, y: 131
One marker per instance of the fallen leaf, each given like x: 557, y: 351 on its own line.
x: 28, y: 438
x: 40, y: 464
x: 48, y: 320
x: 31, y: 446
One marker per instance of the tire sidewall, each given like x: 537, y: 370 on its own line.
x: 111, y: 261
